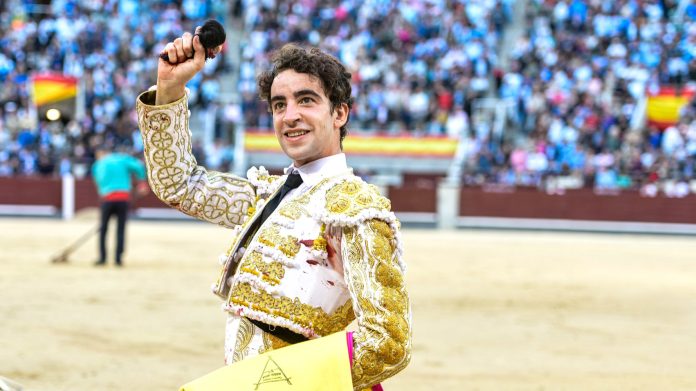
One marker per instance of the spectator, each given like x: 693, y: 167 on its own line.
x: 109, y: 45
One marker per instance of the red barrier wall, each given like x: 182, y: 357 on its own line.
x: 413, y: 199
x: 30, y: 191
x: 47, y: 191
x: 421, y: 196
x: 581, y: 204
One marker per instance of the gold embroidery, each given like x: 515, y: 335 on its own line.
x: 160, y: 122
x: 240, y: 206
x: 292, y: 210
x: 381, y: 248
x: 364, y: 199
x: 220, y: 198
x: 348, y: 187
x: 339, y: 205
x: 294, y: 310
x: 382, y: 229
x: 245, y: 333
x: 319, y: 244
x: 391, y: 351
x: 370, y: 363
x: 388, y: 275
x: 382, y: 342
x: 170, y: 176
x: 397, y: 327
x: 290, y: 246
x: 268, y: 178
x: 271, y: 342
x: 352, y: 197
x: 164, y: 157
x: 271, y: 237
x: 271, y: 272
x: 393, y: 299
x: 214, y: 207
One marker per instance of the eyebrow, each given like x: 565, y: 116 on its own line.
x: 297, y: 94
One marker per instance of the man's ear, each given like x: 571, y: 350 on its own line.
x: 341, y: 117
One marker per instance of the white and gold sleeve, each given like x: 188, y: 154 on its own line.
x: 382, y: 342
x: 174, y: 175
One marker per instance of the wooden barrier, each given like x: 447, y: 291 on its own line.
x: 420, y: 196
x: 581, y: 204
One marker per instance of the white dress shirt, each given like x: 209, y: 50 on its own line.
x: 317, y: 170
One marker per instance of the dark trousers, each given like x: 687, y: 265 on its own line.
x: 108, y: 209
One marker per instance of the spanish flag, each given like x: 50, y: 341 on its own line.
x: 56, y: 93
x: 663, y: 107
x: 52, y: 87
x: 424, y: 147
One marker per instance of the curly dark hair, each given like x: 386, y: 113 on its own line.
x: 333, y: 76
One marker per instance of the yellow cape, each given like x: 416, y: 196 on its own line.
x: 315, y: 365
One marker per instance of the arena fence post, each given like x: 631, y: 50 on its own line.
x: 447, y: 204
x: 67, y: 196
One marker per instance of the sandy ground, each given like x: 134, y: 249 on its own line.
x: 493, y: 310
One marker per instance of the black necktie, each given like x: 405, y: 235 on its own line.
x: 292, y: 182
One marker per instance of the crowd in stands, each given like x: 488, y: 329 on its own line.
x: 573, y: 84
x: 414, y: 63
x: 576, y: 87
x: 112, y: 47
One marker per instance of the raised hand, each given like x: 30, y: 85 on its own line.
x: 182, y: 58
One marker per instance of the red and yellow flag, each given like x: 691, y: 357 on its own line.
x: 663, y: 108
x: 51, y: 88
x: 355, y: 144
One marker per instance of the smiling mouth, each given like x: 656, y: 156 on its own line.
x: 296, y: 133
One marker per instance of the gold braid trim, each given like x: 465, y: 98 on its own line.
x: 383, y: 340
x: 300, y: 314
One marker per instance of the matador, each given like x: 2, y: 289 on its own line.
x: 311, y: 250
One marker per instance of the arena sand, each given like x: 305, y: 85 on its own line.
x: 493, y: 310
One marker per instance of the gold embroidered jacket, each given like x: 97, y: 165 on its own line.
x: 322, y: 259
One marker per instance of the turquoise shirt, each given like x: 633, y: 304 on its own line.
x: 113, y: 173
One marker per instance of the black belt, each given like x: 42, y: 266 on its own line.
x: 282, y: 333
